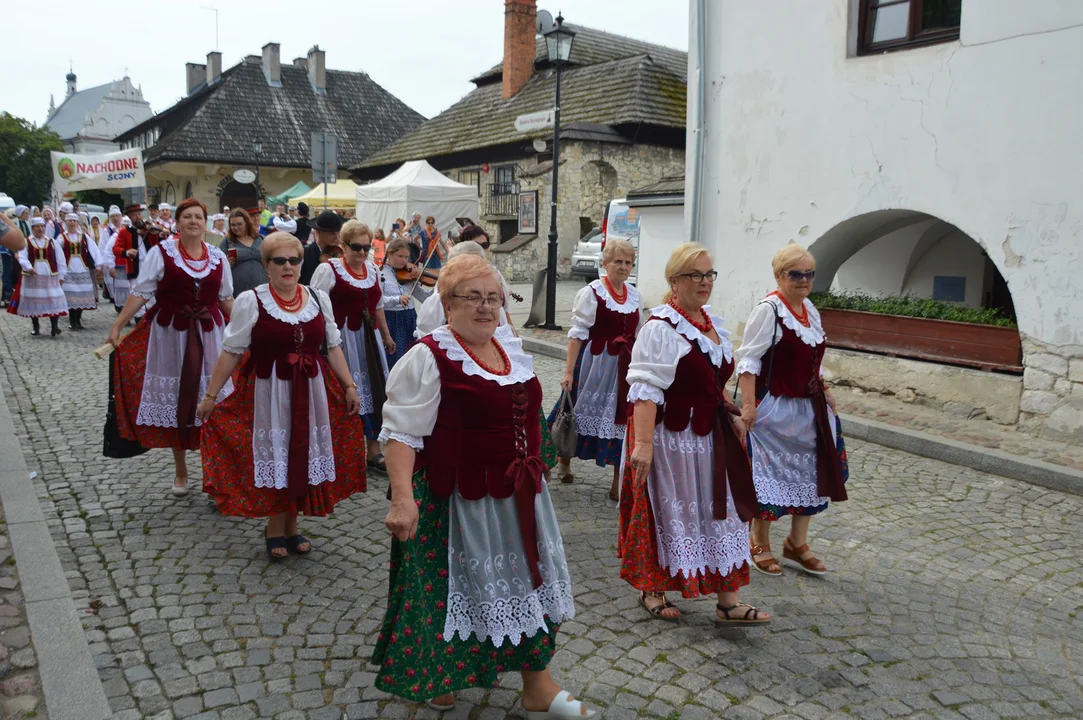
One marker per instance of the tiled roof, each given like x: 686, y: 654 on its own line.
x: 631, y: 90
x: 219, y: 122
x: 669, y: 185
x: 68, y: 119
x: 595, y: 46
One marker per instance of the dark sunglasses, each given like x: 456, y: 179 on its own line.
x: 359, y: 248
x: 281, y: 261
x: 485, y: 245
x: 798, y: 276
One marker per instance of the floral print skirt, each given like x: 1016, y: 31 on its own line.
x: 637, y: 544
x: 229, y: 469
x: 416, y: 662
x: 129, y: 372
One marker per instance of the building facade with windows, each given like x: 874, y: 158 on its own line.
x: 623, y: 104
x: 87, y: 121
x: 914, y: 146
x: 260, y: 115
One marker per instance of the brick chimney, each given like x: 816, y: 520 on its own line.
x: 520, y: 17
x: 272, y: 64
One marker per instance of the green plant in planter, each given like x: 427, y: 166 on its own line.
x: 910, y: 306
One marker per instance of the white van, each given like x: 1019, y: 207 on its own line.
x: 621, y: 221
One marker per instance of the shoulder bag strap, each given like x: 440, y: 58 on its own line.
x: 771, y: 352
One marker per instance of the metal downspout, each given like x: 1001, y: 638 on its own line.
x: 700, y: 119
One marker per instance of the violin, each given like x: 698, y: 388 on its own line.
x: 427, y: 279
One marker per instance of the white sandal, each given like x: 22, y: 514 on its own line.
x: 561, y: 707
x: 440, y: 708
x: 179, y: 490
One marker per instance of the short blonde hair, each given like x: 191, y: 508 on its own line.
x: 618, y: 245
x: 277, y: 241
x: 789, y: 255
x: 463, y: 269
x: 352, y: 229
x: 683, y: 257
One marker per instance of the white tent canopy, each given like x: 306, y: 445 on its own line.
x: 416, y: 187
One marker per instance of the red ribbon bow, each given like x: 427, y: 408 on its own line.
x: 525, y: 476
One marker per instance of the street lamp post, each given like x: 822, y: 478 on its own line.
x: 257, y: 150
x: 558, y: 44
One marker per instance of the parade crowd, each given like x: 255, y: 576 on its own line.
x: 301, y: 359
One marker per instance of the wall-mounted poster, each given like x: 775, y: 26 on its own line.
x: 528, y: 212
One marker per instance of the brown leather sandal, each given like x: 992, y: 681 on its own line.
x: 767, y: 567
x: 657, y: 610
x: 750, y: 617
x: 812, y: 564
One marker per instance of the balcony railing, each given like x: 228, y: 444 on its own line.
x: 502, y: 199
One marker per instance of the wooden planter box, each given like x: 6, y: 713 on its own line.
x: 986, y: 347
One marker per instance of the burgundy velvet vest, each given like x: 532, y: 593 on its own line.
x: 612, y: 329
x: 795, y: 371
x: 352, y: 304
x: 696, y: 393
x: 276, y: 346
x: 180, y: 297
x: 487, y: 441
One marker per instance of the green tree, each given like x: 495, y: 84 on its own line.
x: 26, y: 172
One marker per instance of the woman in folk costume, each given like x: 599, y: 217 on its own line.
x: 605, y: 317
x: 479, y: 581
x: 289, y: 439
x: 687, y: 493
x: 105, y: 249
x: 398, y: 297
x: 40, y: 292
x: 84, y: 261
x: 163, y: 367
x: 353, y: 284
x: 431, y: 314
x: 795, y: 438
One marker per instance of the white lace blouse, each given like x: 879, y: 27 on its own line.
x: 152, y: 270
x: 324, y: 276
x: 660, y: 346
x: 238, y: 334
x: 413, y: 387
x: 760, y: 331
x: 585, y: 307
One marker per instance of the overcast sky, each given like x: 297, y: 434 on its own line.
x: 423, y: 51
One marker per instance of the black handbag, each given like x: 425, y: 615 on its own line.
x: 113, y: 444
x: 771, y: 360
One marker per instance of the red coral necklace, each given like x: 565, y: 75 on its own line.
x: 802, y: 318
x: 704, y: 327
x: 481, y: 363
x: 290, y: 306
x: 364, y: 270
x: 619, y: 299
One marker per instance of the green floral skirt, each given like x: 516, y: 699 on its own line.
x: 415, y: 660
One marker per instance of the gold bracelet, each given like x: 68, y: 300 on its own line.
x: 210, y: 396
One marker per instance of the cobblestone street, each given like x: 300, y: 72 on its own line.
x: 952, y: 594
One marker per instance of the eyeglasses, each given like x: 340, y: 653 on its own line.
x: 476, y: 301
x: 698, y: 277
x: 798, y: 276
x: 485, y: 245
x: 359, y: 248
x: 333, y: 251
x: 281, y: 261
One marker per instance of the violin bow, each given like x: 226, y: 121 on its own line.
x: 423, y: 269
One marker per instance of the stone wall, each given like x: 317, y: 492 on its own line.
x: 1052, y: 401
x: 591, y: 174
x: 957, y: 391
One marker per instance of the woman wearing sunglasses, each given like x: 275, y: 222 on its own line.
x: 354, y: 288
x: 794, y: 436
x: 164, y: 365
x: 687, y: 495
x: 288, y: 440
